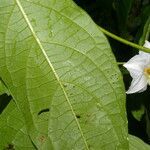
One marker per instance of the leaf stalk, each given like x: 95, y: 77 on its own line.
x: 141, y: 48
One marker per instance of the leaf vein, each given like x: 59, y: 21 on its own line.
x: 51, y: 66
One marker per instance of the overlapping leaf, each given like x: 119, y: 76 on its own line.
x: 13, y: 133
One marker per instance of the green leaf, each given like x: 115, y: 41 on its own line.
x: 63, y: 76
x: 13, y: 133
x: 137, y: 114
x: 137, y: 144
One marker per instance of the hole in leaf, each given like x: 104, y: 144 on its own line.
x: 43, y: 111
x: 4, y: 101
x: 9, y: 147
x: 78, y: 116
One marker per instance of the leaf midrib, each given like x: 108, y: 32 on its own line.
x: 78, y: 51
x: 71, y: 47
x: 51, y: 66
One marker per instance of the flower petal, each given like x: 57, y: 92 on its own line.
x: 144, y: 54
x: 134, y: 70
x: 135, y: 66
x: 144, y: 89
x: 138, y: 84
x: 138, y: 62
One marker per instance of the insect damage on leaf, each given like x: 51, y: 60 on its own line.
x: 78, y: 116
x: 43, y: 111
x: 9, y: 147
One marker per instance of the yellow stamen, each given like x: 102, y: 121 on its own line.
x: 147, y: 71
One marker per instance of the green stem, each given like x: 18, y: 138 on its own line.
x: 124, y: 41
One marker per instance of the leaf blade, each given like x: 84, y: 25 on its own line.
x: 51, y: 66
x: 69, y: 70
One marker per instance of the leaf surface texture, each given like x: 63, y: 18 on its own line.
x: 61, y: 72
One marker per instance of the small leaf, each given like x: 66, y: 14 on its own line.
x: 137, y: 114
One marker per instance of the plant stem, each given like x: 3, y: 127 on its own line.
x: 124, y: 41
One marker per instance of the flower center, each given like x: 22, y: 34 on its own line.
x: 147, y: 72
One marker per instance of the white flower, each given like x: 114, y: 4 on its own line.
x: 139, y: 68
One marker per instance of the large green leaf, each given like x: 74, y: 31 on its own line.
x: 13, y: 133
x: 61, y: 72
